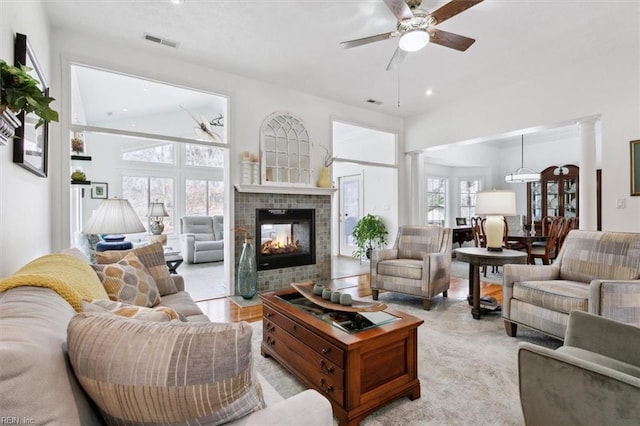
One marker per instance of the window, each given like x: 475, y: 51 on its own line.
x: 141, y: 190
x: 155, y: 153
x: 204, y: 197
x: 203, y: 156
x: 436, y: 201
x: 468, y: 190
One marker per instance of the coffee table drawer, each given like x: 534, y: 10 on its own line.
x: 312, y: 340
x: 326, y: 377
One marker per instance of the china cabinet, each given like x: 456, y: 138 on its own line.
x: 556, y: 194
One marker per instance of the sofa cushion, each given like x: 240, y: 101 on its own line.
x: 152, y: 257
x: 208, y: 245
x: 128, y: 281
x: 405, y: 268
x: 164, y: 373
x: 556, y: 295
x: 182, y: 303
x: 413, y: 241
x: 589, y: 255
x: 158, y: 314
x: 204, y: 237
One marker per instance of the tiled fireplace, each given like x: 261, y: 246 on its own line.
x: 247, y: 203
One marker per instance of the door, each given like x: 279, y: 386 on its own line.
x: 351, y: 207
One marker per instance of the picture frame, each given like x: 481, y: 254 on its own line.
x: 461, y: 221
x: 30, y: 145
x: 635, y: 167
x: 99, y: 190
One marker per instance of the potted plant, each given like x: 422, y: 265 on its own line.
x: 369, y: 233
x: 19, y: 91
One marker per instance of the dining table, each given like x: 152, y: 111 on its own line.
x: 527, y: 240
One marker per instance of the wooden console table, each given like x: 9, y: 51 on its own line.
x: 357, y: 372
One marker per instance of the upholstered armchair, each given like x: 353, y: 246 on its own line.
x: 419, y: 263
x: 594, y: 379
x: 596, y: 272
x: 201, y: 238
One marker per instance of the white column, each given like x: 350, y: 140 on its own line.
x: 414, y: 186
x: 587, y: 183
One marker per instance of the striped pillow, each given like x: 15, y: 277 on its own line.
x: 152, y: 256
x: 164, y: 373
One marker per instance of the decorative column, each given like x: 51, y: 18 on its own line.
x: 587, y: 192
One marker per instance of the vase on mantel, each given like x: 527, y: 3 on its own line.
x: 8, y: 124
x: 324, y: 181
x: 247, y: 271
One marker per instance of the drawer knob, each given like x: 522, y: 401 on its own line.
x: 269, y: 314
x: 327, y: 370
x: 325, y: 350
x: 329, y: 389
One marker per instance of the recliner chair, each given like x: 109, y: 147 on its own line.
x: 201, y: 238
x: 419, y: 263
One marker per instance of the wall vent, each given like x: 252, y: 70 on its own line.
x: 373, y: 101
x: 160, y: 40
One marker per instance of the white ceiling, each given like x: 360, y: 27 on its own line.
x: 296, y: 43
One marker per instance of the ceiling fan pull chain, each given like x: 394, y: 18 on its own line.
x: 398, y: 87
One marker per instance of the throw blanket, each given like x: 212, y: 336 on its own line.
x: 72, y: 278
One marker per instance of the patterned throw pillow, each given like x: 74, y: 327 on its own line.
x: 128, y: 281
x: 159, y: 313
x: 164, y: 373
x: 152, y: 256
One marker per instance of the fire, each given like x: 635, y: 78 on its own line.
x: 279, y: 247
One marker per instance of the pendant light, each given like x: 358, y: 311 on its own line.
x: 522, y: 174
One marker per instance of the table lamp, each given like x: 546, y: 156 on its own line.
x: 156, y: 215
x: 113, y: 217
x: 494, y: 205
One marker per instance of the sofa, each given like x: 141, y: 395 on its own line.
x: 201, y: 238
x: 593, y: 379
x: 596, y: 272
x: 56, y: 346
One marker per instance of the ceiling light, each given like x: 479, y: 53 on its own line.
x: 177, y: 1
x: 429, y: 92
x: 413, y: 40
x: 522, y: 174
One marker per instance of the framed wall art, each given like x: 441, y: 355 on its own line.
x: 99, y: 190
x: 31, y: 143
x: 635, y: 167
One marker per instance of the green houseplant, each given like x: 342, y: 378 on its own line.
x: 19, y: 91
x: 369, y: 233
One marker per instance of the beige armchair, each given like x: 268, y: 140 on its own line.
x: 594, y: 379
x: 419, y: 263
x: 596, y: 272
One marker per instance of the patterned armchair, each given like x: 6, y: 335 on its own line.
x: 419, y: 263
x: 595, y: 272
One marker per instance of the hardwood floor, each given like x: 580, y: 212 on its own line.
x: 225, y: 310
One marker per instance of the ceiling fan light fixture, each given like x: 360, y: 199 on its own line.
x: 413, y: 40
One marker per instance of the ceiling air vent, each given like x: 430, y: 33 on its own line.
x: 373, y: 101
x: 160, y: 40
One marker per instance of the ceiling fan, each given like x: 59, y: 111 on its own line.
x: 416, y: 28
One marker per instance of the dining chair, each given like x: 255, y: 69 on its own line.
x: 571, y: 223
x: 550, y: 250
x: 478, y: 236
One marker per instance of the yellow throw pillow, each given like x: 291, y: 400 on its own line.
x: 128, y: 281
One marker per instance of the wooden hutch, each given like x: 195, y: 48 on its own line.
x: 556, y: 194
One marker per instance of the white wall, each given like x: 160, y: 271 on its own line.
x: 25, y: 202
x: 604, y: 83
x: 251, y: 102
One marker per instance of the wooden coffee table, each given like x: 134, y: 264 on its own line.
x: 358, y: 372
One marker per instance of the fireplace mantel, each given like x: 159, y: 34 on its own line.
x: 281, y: 189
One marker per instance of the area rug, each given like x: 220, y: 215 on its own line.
x: 467, y: 368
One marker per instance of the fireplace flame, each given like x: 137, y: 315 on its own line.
x: 279, y: 247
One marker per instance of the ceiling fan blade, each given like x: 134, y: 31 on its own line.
x: 452, y: 8
x: 451, y: 40
x: 399, y: 8
x: 396, y: 59
x: 367, y: 40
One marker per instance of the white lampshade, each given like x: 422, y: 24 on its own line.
x: 496, y: 203
x: 413, y: 40
x: 114, y: 216
x: 157, y: 210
